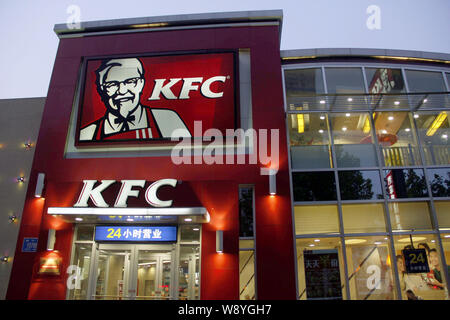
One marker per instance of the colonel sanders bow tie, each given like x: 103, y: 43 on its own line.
x: 124, y: 121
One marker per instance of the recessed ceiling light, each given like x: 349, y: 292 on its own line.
x: 355, y: 241
x: 414, y: 239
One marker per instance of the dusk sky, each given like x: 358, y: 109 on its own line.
x: 29, y: 44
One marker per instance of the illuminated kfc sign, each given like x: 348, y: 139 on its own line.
x: 138, y: 99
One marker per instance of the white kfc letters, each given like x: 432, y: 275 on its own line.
x: 126, y: 191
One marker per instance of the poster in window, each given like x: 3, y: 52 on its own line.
x: 322, y: 275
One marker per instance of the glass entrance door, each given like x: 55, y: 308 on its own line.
x: 128, y: 272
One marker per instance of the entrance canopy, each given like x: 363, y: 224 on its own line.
x: 131, y: 215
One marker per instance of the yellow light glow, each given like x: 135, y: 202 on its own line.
x: 437, y: 123
x: 414, y: 239
x: 355, y: 241
x: 300, y: 123
x: 366, y: 128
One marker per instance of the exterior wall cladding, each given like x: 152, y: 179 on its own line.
x: 216, y: 185
x: 213, y: 186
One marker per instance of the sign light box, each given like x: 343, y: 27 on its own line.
x: 136, y: 234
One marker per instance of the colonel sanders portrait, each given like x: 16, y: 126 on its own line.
x: 120, y: 83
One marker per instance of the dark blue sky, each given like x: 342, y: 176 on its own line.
x: 29, y: 44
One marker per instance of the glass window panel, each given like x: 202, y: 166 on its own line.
x: 396, y: 138
x: 361, y: 218
x: 316, y: 219
x: 81, y: 262
x: 190, y: 233
x: 112, y: 281
x: 369, y: 268
x: 314, y: 186
x: 247, y: 275
x: 320, y: 268
x: 434, y: 132
x: 440, y: 182
x: 445, y: 239
x: 405, y: 183
x: 443, y: 213
x: 302, y: 86
x: 425, y: 81
x: 360, y: 185
x: 353, y: 140
x: 409, y: 216
x: 425, y: 285
x: 303, y: 82
x: 85, y: 233
x: 189, y: 272
x: 246, y: 211
x: 384, y: 80
x: 246, y: 244
x: 344, y: 80
x: 310, y: 141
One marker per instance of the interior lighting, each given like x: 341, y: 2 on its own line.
x: 316, y: 240
x: 366, y: 128
x: 444, y: 136
x: 383, y: 131
x: 407, y: 129
x: 414, y: 239
x: 322, y: 101
x: 355, y: 241
x: 437, y: 123
x: 344, y: 128
x: 396, y: 103
x: 425, y: 100
x: 300, y: 123
x: 416, y: 116
x: 390, y: 118
x: 321, y: 131
x: 349, y: 99
x: 347, y: 114
x: 21, y: 179
x: 188, y: 219
x: 78, y: 219
x: 4, y: 259
x: 28, y: 145
x: 322, y: 117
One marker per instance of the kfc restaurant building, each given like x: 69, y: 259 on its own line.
x: 186, y: 157
x: 118, y: 209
